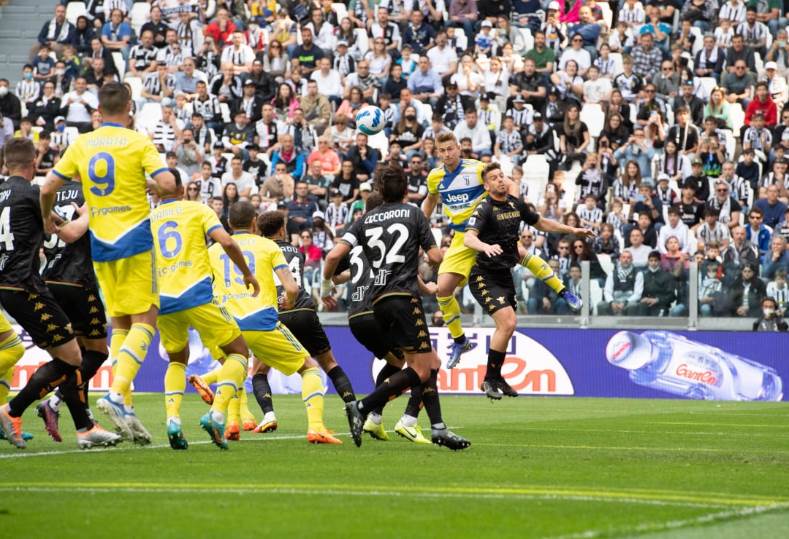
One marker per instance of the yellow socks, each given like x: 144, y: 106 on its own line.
x: 231, y: 377
x: 312, y: 395
x: 11, y: 351
x: 116, y: 342
x: 243, y: 401
x: 174, y: 387
x: 234, y: 410
x: 211, y: 377
x: 451, y: 310
x: 130, y: 357
x: 543, y: 271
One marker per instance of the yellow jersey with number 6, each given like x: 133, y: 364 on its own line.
x: 263, y: 257
x: 111, y: 163
x: 183, y: 268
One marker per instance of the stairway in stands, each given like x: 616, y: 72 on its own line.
x: 20, y: 22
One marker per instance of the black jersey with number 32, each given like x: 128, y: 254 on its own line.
x: 21, y: 235
x: 390, y: 236
x: 295, y: 260
x: 69, y: 262
x: 499, y: 222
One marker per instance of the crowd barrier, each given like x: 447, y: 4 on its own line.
x: 568, y: 362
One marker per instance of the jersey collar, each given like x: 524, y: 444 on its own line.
x: 168, y: 201
x: 111, y: 124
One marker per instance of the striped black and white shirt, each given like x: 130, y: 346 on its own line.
x: 753, y: 34
x: 164, y: 136
x: 142, y: 57
x: 208, y: 109
x: 170, y: 57
x: 153, y: 84
x: 733, y: 12
x: 595, y: 215
x: 27, y: 90
x: 509, y: 141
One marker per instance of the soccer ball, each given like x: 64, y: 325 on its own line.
x: 370, y: 120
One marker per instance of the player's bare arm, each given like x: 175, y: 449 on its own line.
x: 429, y: 204
x: 71, y: 231
x: 289, y: 284
x: 47, y: 197
x: 340, y: 250
x: 472, y: 241
x: 232, y: 249
x: 549, y: 225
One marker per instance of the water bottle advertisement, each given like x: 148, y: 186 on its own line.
x: 560, y: 362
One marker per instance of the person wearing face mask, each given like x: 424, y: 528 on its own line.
x: 771, y: 318
x: 27, y: 89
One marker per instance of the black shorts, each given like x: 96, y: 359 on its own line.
x: 83, y: 307
x: 402, y: 319
x: 307, y: 328
x: 368, y: 332
x: 494, y: 290
x: 39, y: 315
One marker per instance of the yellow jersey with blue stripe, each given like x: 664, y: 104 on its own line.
x: 460, y: 190
x: 183, y: 268
x: 111, y: 162
x: 263, y: 257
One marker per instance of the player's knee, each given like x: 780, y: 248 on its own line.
x: 508, y: 322
x: 237, y: 346
x: 395, y: 361
x: 69, y: 352
x: 95, y: 345
x: 309, y: 363
x: 326, y: 361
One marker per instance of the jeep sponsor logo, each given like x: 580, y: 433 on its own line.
x: 459, y: 198
x: 529, y: 367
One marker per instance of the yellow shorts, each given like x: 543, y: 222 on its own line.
x: 215, y: 326
x: 128, y: 284
x: 277, y: 348
x: 5, y: 325
x: 458, y: 259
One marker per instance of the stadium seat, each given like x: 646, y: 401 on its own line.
x: 698, y: 43
x: 340, y: 9
x: 606, y: 263
x: 595, y: 295
x: 136, y: 85
x: 758, y: 62
x: 608, y: 15
x: 593, y: 116
x: 225, y: 108
x: 703, y: 87
x: 731, y: 143
x: 362, y: 41
x: 139, y: 15
x: 380, y: 143
x: 149, y: 115
x: 120, y: 63
x: 535, y: 174
x: 74, y: 10
x: 737, y: 117
x: 617, y: 58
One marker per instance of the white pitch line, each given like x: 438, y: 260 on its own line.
x: 636, y: 448
x: 365, y: 493
x: 678, y: 432
x: 653, y: 527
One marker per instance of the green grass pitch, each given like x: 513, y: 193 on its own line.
x: 538, y: 467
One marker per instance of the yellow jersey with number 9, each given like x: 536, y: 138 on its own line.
x: 263, y: 257
x: 460, y: 190
x: 183, y: 268
x: 111, y: 163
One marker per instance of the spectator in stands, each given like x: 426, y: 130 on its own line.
x: 757, y: 233
x: 364, y: 158
x: 279, y: 186
x: 763, y: 103
x: 300, y: 211
x: 772, y: 209
x: 46, y: 108
x: 771, y: 317
x: 78, y: 106
x: 56, y: 33
x: 243, y: 180
x: 777, y: 258
x: 711, y: 293
x: 471, y: 128
x: 623, y: 288
x: 116, y: 34
x: 639, y: 150
x: 659, y: 290
x: 746, y: 293
x: 646, y: 57
x: 739, y: 252
x: 286, y: 153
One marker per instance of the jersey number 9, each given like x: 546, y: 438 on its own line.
x: 104, y: 183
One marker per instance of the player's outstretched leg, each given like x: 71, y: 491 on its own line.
x: 373, y: 425
x: 174, y: 387
x: 494, y: 385
x: 543, y: 271
x: 11, y: 351
x: 407, y: 426
x: 203, y: 387
x: 231, y: 376
x: 248, y: 421
x: 440, y: 433
x: 262, y: 391
x: 312, y: 395
x: 340, y: 380
x: 450, y: 308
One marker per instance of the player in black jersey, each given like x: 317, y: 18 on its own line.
x: 69, y: 275
x: 355, y: 270
x: 26, y: 298
x: 302, y: 320
x: 493, y: 230
x: 391, y: 236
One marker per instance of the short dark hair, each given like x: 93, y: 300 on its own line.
x: 673, y: 210
x: 113, y: 98
x: 177, y: 176
x: 241, y: 215
x: 19, y: 152
x: 391, y: 182
x: 490, y: 167
x: 373, y: 201
x: 271, y: 222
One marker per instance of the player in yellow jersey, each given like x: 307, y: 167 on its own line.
x: 459, y: 186
x: 11, y: 351
x: 112, y: 163
x: 184, y: 275
x: 269, y: 340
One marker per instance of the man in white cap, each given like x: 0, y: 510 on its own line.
x: 776, y: 83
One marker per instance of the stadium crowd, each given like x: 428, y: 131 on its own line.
x: 659, y: 124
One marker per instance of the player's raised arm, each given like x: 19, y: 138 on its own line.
x: 549, y: 225
x: 233, y: 251
x: 71, y: 231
